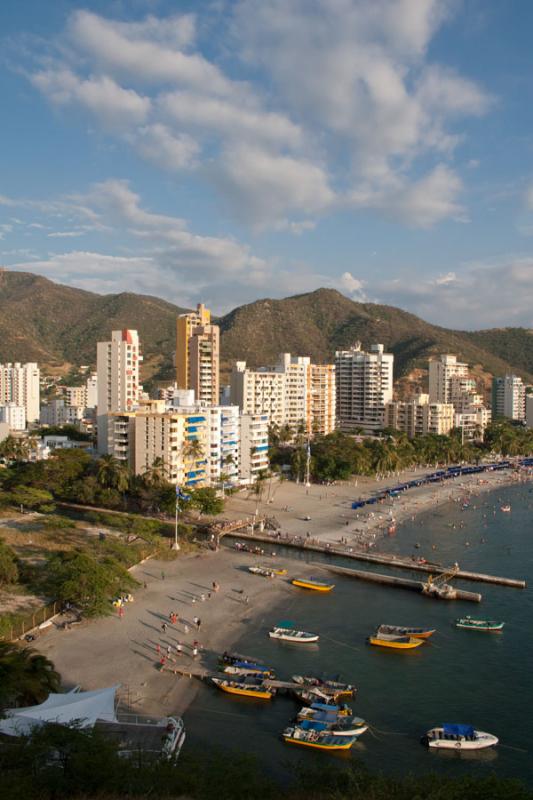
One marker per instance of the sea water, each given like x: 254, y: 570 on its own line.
x: 460, y: 676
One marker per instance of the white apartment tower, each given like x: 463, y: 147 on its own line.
x: 441, y: 373
x: 19, y: 384
x: 296, y: 390
x: 364, y: 386
x: 253, y: 446
x: 14, y: 416
x: 418, y: 416
x: 117, y: 369
x: 259, y: 392
x: 509, y: 397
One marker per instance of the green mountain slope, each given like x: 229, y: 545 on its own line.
x: 59, y: 326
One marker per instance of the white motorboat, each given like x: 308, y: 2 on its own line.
x: 291, y: 635
x: 458, y: 737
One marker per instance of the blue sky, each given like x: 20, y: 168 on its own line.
x: 226, y: 151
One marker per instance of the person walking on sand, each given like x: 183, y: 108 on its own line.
x: 194, y: 652
x: 198, y: 623
x: 179, y: 648
x: 185, y: 629
x: 164, y: 627
x: 169, y: 649
x: 162, y: 575
x: 158, y: 649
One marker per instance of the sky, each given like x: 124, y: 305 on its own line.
x: 228, y: 150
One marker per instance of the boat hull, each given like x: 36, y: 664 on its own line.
x: 313, y: 586
x: 395, y: 645
x: 288, y: 636
x: 244, y: 691
x: 482, y: 625
x: 329, y: 743
x: 479, y: 741
x: 417, y: 633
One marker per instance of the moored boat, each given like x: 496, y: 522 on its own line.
x: 313, y: 583
x: 395, y: 642
x: 232, y: 658
x: 343, y: 726
x: 506, y: 508
x: 401, y: 630
x: 248, y: 668
x: 487, y: 625
x: 292, y: 635
x: 279, y: 570
x: 318, y: 740
x: 330, y: 687
x: 265, y: 572
x: 315, y: 709
x: 256, y: 690
x: 458, y: 737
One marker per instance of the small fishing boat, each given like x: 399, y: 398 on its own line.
x: 458, y: 737
x: 316, y: 709
x: 232, y: 658
x: 265, y: 572
x: 488, y: 625
x: 248, y: 668
x: 401, y: 630
x: 320, y: 740
x: 329, y: 686
x: 506, y: 508
x: 314, y: 694
x: 344, y: 726
x: 244, y: 689
x: 313, y: 583
x: 292, y: 635
x: 279, y: 570
x: 395, y: 642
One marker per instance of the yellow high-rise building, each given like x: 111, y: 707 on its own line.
x: 198, y: 354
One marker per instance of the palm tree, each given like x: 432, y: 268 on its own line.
x: 26, y: 677
x: 192, y: 451
x: 156, y: 476
x: 112, y: 473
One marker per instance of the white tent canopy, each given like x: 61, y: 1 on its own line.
x: 83, y: 708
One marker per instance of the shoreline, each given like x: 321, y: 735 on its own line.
x: 112, y: 650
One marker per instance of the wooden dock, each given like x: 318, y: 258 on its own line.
x: 204, y: 674
x: 374, y: 558
x: 392, y: 580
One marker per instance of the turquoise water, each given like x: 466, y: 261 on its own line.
x: 458, y: 676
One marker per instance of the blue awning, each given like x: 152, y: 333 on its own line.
x: 457, y: 730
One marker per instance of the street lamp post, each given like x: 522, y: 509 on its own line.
x: 176, y: 546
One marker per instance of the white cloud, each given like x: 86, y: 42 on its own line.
x: 117, y: 108
x: 147, y: 51
x: 352, y: 286
x: 169, y: 151
x: 264, y: 188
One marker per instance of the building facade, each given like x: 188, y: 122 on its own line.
x: 117, y: 368
x: 419, y: 416
x: 509, y: 397
x: 364, y: 385
x: 20, y: 384
x: 253, y: 446
x: 323, y: 395
x: 198, y: 355
x: 258, y: 392
x: 441, y: 372
x: 14, y: 416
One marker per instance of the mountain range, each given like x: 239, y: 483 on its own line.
x: 58, y: 326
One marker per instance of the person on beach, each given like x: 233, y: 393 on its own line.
x: 162, y: 575
x: 179, y: 648
x: 164, y: 627
x: 194, y: 652
x: 185, y: 629
x: 169, y: 649
x: 162, y: 662
x: 198, y: 623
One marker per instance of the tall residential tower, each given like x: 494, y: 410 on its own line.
x: 198, y: 354
x: 117, y: 368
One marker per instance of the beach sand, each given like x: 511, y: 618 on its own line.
x: 116, y: 650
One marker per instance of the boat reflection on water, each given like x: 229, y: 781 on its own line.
x: 489, y: 754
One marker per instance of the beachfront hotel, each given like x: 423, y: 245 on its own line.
x: 119, y: 389
x: 442, y: 372
x: 258, y: 392
x: 450, y: 382
x: 198, y: 354
x: 364, y: 382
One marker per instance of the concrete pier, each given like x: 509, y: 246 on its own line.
x: 400, y: 583
x: 374, y: 558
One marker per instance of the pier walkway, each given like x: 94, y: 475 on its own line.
x: 299, y: 543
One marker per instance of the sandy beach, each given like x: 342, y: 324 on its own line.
x: 124, y: 650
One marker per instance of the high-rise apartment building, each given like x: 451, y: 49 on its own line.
x: 253, y: 446
x: 198, y: 354
x: 509, y: 397
x: 20, y: 384
x: 442, y: 371
x: 294, y: 392
x: 529, y: 410
x: 259, y: 392
x: 418, y: 416
x: 117, y: 369
x: 322, y: 392
x: 364, y: 383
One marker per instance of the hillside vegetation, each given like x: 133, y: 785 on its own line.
x: 59, y: 326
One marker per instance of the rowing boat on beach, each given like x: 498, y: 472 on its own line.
x: 395, y: 642
x: 313, y: 584
x: 401, y: 630
x: 487, y: 625
x: 265, y: 572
